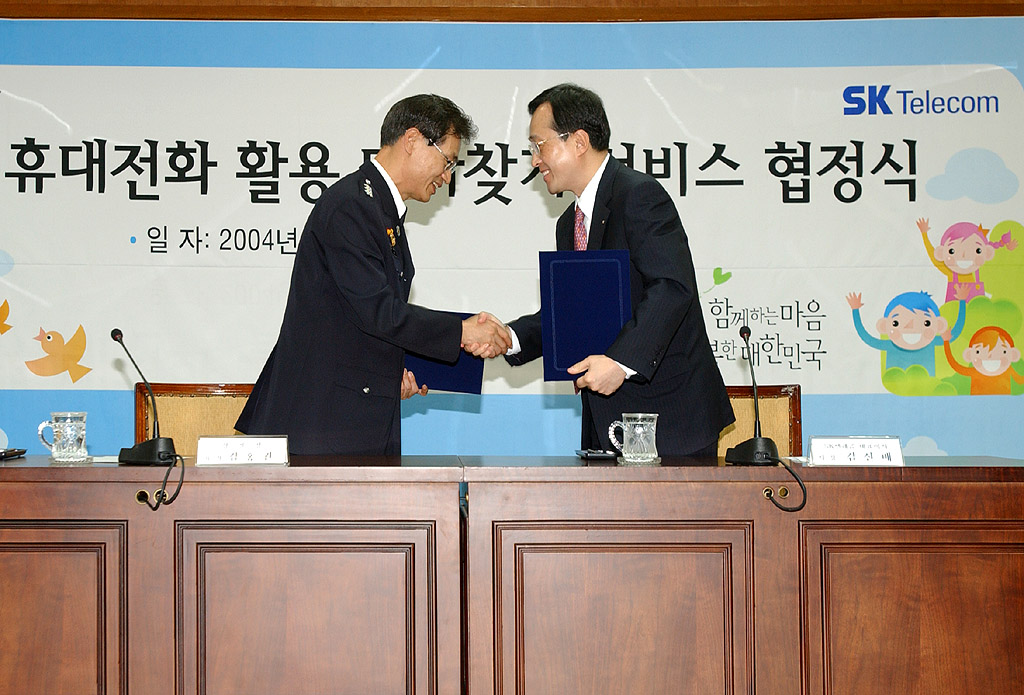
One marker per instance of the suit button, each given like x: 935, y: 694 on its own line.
x: 654, y: 363
x: 366, y: 389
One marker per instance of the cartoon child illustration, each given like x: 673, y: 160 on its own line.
x: 991, y: 355
x: 914, y: 327
x: 961, y: 252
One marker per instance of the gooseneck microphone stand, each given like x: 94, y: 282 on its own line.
x: 156, y: 451
x: 758, y: 450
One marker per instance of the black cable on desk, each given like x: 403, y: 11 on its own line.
x: 160, y: 496
x: 771, y: 495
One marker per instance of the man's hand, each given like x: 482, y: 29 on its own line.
x: 409, y: 386
x: 602, y: 375
x: 485, y: 336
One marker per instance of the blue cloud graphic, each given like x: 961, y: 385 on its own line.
x: 6, y: 263
x: 977, y: 174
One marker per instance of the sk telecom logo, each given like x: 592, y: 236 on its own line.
x: 874, y: 99
x: 869, y: 98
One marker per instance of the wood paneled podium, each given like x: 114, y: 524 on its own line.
x: 365, y: 578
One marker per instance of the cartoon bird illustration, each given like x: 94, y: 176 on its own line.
x: 60, y: 356
x: 5, y: 311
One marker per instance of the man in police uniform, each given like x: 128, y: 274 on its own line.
x: 334, y: 381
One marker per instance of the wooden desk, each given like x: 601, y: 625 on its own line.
x: 292, y: 581
x: 337, y: 580
x: 688, y: 580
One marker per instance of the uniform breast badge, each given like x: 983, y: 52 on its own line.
x: 391, y: 236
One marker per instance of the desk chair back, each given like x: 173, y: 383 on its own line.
x: 780, y: 417
x: 189, y: 411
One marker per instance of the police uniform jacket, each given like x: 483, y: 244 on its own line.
x: 332, y: 382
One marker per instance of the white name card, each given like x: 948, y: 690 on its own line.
x: 242, y: 450
x: 856, y: 451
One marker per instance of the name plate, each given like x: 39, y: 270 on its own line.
x: 856, y: 451
x: 242, y: 450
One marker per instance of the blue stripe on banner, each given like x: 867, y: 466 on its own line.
x: 549, y: 425
x: 544, y: 46
x: 507, y: 425
x: 534, y: 425
x: 109, y: 424
x: 929, y: 426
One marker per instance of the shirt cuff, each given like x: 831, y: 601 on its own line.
x: 630, y: 373
x: 515, y: 348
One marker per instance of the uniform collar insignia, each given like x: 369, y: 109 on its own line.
x: 367, y: 188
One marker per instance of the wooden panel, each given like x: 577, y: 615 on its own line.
x: 913, y: 607
x: 507, y: 11
x: 401, y: 523
x: 344, y: 608
x: 622, y: 608
x: 862, y: 563
x: 62, y: 608
x: 608, y: 586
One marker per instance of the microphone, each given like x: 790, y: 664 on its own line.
x: 156, y: 451
x: 758, y: 450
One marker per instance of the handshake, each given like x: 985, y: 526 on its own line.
x: 483, y: 335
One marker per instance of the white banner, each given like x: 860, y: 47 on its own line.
x: 168, y: 201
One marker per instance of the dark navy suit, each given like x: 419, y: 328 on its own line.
x: 332, y: 382
x: 666, y: 341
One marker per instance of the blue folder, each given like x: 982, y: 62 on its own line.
x: 584, y: 303
x: 465, y: 376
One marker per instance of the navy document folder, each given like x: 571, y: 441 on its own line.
x: 465, y: 376
x: 584, y: 302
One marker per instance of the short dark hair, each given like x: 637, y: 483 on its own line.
x: 434, y: 116
x: 576, y: 108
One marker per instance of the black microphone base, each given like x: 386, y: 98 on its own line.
x: 757, y: 451
x: 152, y: 452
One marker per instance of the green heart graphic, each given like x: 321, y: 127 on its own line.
x: 721, y: 276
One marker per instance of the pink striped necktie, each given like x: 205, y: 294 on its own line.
x: 579, y: 240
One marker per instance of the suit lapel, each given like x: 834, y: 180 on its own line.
x: 599, y: 220
x: 401, y: 255
x: 407, y: 267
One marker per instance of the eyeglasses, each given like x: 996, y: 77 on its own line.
x: 449, y: 165
x: 535, y: 146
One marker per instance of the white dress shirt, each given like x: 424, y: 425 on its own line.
x: 399, y: 203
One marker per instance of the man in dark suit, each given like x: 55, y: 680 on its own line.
x: 334, y: 381
x: 661, y: 361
